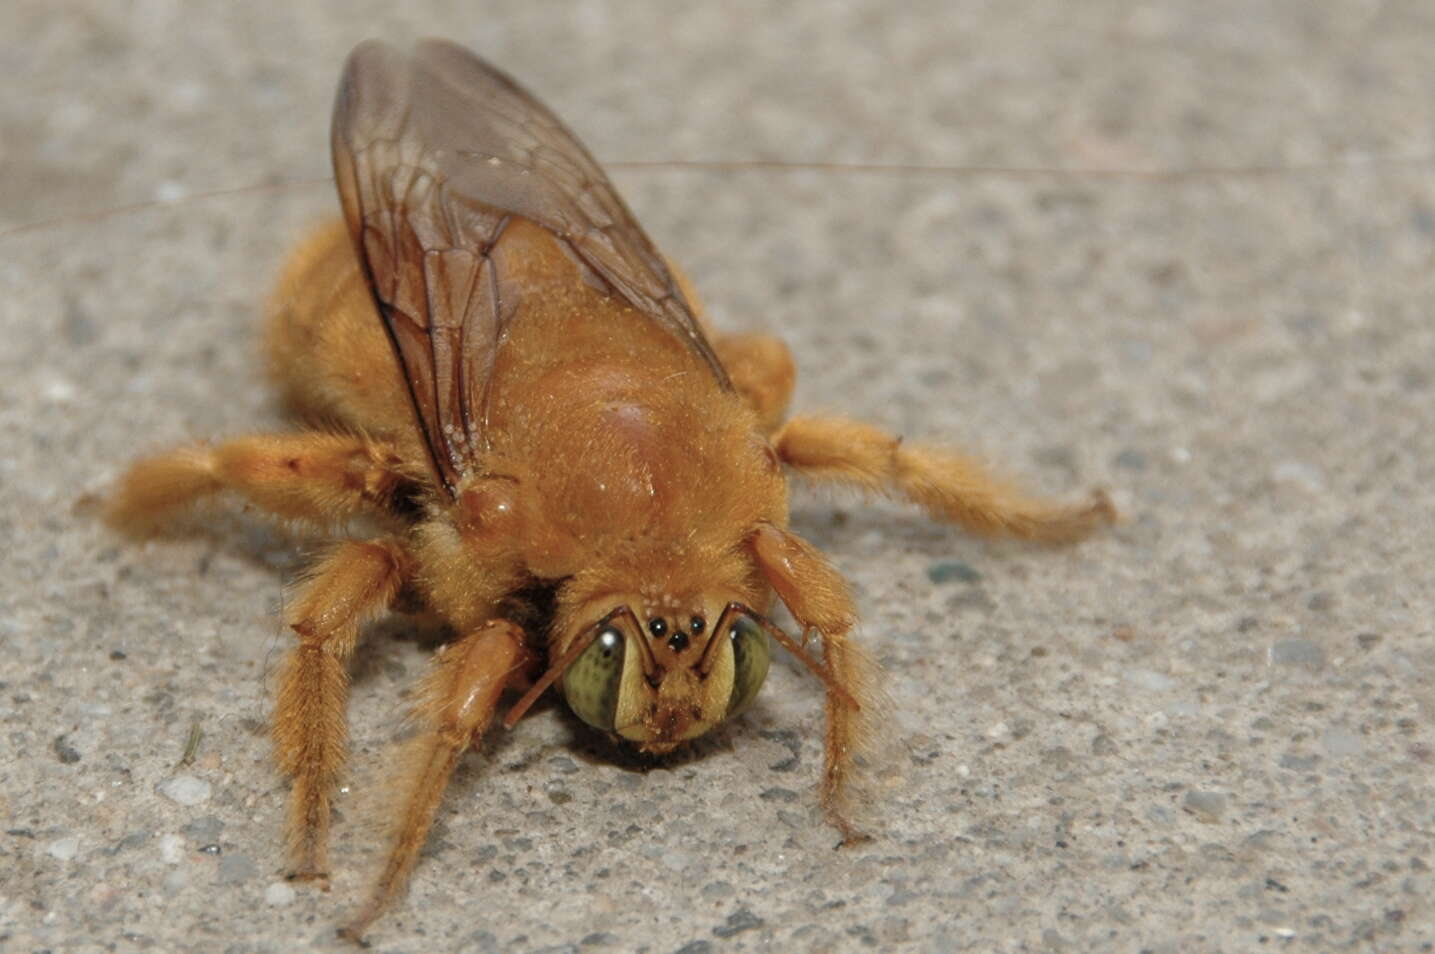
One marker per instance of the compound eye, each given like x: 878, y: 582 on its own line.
x: 592, y: 683
x: 750, y: 657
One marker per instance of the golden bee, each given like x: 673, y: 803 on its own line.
x: 588, y: 485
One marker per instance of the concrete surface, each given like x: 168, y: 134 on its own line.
x: 1209, y: 730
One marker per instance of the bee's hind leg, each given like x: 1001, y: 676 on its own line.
x: 949, y: 485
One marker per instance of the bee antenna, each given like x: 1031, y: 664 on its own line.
x: 818, y: 668
x: 521, y: 707
x: 734, y: 608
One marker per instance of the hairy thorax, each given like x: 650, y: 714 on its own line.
x: 619, y: 442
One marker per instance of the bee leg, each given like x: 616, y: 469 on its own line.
x: 762, y: 371
x: 948, y: 485
x: 312, y: 476
x: 819, y: 600
x: 455, y: 705
x: 354, y: 583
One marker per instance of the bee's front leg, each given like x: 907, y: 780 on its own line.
x: 455, y: 705
x: 819, y: 600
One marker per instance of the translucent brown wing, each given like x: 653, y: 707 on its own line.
x: 433, y: 152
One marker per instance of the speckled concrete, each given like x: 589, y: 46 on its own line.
x: 1209, y: 730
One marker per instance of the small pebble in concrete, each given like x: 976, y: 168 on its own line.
x: 1342, y: 742
x: 1207, y: 806
x: 185, y: 789
x: 64, y: 849
x: 1297, y: 652
x: 236, y: 868
x: 279, y: 895
x: 1131, y: 460
x: 678, y: 860
x: 133, y: 840
x: 1299, y: 474
x: 204, y: 829
x: 171, y: 849
x: 64, y: 751
x: 737, y: 922
x: 695, y: 947
x: 1149, y: 679
x: 950, y: 570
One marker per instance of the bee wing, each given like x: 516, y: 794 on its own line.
x: 433, y: 152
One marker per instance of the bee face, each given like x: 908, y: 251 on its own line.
x: 664, y: 679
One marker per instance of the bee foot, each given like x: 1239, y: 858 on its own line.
x: 353, y: 933
x: 308, y: 873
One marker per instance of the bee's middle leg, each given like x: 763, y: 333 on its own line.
x: 356, y: 582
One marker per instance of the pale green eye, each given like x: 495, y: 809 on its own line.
x: 749, y: 663
x: 591, y: 684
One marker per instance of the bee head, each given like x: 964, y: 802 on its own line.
x: 666, y: 676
